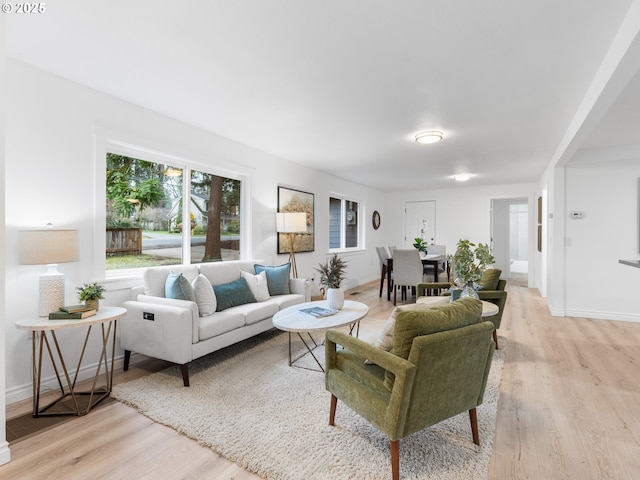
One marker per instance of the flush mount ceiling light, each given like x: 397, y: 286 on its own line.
x: 461, y: 177
x: 430, y: 136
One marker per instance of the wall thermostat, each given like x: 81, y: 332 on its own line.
x: 575, y: 215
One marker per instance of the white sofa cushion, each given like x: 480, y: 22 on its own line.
x: 205, y: 296
x: 224, y: 272
x: 220, y: 323
x: 257, y: 285
x: 256, y: 312
x: 283, y: 301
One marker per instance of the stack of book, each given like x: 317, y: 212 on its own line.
x: 72, y: 312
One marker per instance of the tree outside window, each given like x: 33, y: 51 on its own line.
x: 146, y: 214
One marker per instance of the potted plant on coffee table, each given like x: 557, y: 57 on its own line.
x: 91, y: 294
x: 332, y: 273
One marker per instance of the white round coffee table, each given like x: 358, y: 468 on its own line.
x: 294, y: 320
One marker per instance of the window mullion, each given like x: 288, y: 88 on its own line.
x: 186, y: 218
x: 343, y: 223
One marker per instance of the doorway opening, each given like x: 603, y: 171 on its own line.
x: 510, y: 237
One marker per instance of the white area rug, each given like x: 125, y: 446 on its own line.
x: 248, y: 405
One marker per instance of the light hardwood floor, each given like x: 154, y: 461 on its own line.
x: 569, y: 408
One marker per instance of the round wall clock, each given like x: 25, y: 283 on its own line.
x: 375, y: 219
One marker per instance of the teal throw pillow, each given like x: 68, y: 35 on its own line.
x: 277, y: 278
x: 179, y: 288
x: 233, y: 294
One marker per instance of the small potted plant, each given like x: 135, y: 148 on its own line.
x: 420, y: 244
x: 90, y: 294
x: 332, y: 273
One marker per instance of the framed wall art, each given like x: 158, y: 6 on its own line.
x: 290, y: 200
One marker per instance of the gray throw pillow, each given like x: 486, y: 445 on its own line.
x: 179, y: 288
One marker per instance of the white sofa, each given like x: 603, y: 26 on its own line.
x: 174, y: 330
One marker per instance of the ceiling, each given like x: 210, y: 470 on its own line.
x: 343, y: 86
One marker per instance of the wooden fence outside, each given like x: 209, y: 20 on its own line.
x: 124, y: 241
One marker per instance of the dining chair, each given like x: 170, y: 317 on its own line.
x: 442, y: 267
x: 390, y: 249
x: 383, y: 256
x: 407, y: 271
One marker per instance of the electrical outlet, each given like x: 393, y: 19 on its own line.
x: 568, y: 241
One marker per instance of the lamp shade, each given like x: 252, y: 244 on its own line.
x: 291, y: 222
x: 49, y: 247
x: 43, y: 247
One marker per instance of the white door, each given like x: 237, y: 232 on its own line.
x: 419, y: 221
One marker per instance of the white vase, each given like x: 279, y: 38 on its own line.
x: 335, y: 298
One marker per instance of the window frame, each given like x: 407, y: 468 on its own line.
x: 110, y: 141
x: 360, y: 214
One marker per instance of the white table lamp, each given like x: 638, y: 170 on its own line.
x: 49, y: 247
x: 291, y: 223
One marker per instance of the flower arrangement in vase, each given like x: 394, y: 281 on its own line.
x: 332, y: 273
x: 91, y: 294
x: 469, y: 264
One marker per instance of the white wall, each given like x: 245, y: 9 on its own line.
x: 5, y: 454
x: 460, y: 212
x: 597, y: 285
x: 50, y: 178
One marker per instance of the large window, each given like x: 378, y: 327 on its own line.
x: 344, y: 224
x: 160, y: 214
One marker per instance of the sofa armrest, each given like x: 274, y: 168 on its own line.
x: 172, y: 302
x: 499, y: 298
x: 159, y: 331
x: 300, y: 286
x: 393, y: 363
x: 404, y: 372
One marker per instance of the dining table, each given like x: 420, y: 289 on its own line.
x: 427, y: 259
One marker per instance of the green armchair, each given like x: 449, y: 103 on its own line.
x: 493, y: 290
x: 437, y: 368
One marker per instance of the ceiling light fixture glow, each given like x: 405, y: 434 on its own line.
x: 461, y: 177
x: 430, y: 136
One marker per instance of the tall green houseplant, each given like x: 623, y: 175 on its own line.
x: 470, y: 262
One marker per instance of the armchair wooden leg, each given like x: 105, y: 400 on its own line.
x: 395, y: 459
x: 495, y: 337
x: 473, y: 416
x: 332, y: 411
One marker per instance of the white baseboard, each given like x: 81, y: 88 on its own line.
x: 5, y: 453
x: 602, y: 315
